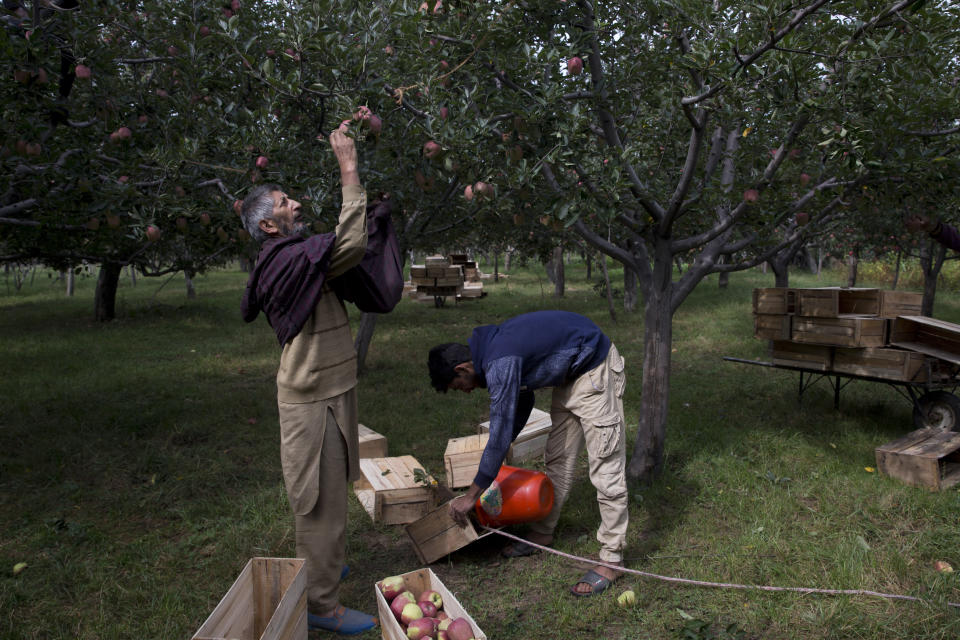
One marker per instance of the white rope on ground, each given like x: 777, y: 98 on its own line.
x: 723, y: 585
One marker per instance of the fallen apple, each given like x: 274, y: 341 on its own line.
x: 943, y: 566
x: 627, y: 599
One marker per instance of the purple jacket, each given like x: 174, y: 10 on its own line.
x: 287, y: 281
x: 947, y: 235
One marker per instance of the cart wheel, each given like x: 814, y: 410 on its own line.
x: 937, y: 409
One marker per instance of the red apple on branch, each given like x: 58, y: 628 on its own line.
x: 153, y: 233
x: 751, y: 195
x: 82, y: 71
x: 431, y: 149
x: 262, y: 162
x: 468, y: 193
x: 575, y: 66
x: 802, y: 218
x: 804, y: 179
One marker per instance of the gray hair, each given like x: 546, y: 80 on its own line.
x: 257, y: 206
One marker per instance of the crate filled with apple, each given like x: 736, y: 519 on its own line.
x: 417, y: 606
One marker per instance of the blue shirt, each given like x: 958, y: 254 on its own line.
x: 528, y: 352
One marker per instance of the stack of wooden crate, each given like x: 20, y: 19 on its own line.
x: 472, y: 287
x: 437, y: 277
x: 843, y: 330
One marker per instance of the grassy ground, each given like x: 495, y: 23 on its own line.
x: 139, y: 470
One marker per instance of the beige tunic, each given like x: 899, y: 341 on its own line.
x: 320, y: 364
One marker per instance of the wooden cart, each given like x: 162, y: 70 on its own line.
x: 931, y: 390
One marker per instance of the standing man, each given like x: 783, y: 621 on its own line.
x: 316, y: 382
x: 568, y: 352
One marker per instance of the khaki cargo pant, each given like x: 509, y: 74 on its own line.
x: 589, y: 411
x: 316, y: 469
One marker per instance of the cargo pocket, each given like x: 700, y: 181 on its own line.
x: 617, y: 371
x: 608, y: 435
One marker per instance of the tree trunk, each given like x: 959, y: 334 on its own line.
x: 629, y: 289
x: 188, y: 278
x: 646, y: 462
x: 507, y: 257
x: 361, y: 344
x: 781, y: 275
x: 105, y: 297
x: 496, y: 266
x: 852, y: 261
x: 71, y: 282
x: 606, y: 281
x: 559, y: 277
x: 133, y: 275
x: 931, y: 262
x: 896, y: 270
x: 589, y: 261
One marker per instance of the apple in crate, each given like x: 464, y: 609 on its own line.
x: 428, y: 608
x: 410, y: 612
x: 459, y: 629
x: 391, y: 587
x: 432, y: 596
x: 421, y: 628
x: 398, y: 603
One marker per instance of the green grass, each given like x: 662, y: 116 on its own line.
x: 139, y: 470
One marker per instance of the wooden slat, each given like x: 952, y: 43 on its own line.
x: 372, y: 444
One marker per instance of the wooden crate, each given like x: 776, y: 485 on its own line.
x: 793, y: 354
x: 436, y: 261
x: 389, y: 492
x: 840, y: 332
x: 267, y: 601
x: 879, y: 362
x: 833, y: 302
x: 900, y: 303
x: 372, y: 444
x: 462, y: 458
x: 771, y: 327
x: 774, y: 300
x: 532, y: 439
x: 418, y: 271
x: 436, y: 534
x: 923, y: 458
x: 417, y: 582
x: 925, y: 335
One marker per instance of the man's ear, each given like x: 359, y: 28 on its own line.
x: 464, y: 366
x: 268, y: 226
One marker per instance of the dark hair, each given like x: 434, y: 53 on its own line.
x: 442, y: 360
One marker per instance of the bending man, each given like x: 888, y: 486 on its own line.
x: 568, y: 352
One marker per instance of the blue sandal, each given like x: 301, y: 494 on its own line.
x: 598, y: 584
x: 347, y: 622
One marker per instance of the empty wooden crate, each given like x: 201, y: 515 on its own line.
x: 268, y: 601
x: 840, y: 332
x: 436, y: 534
x: 808, y: 356
x: 462, y: 458
x: 417, y: 582
x: 774, y: 300
x: 935, y: 338
x: 833, y: 302
x: 923, y: 458
x: 531, y: 442
x: 900, y: 303
x: 372, y: 444
x: 878, y: 362
x: 395, y: 490
x: 771, y: 327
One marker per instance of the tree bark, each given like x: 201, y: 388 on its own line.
x: 496, y: 266
x: 896, y: 270
x: 105, y: 297
x: 646, y: 462
x: 931, y: 263
x: 606, y: 280
x: 71, y: 282
x: 629, y: 289
x: 361, y: 344
x: 188, y: 278
x: 587, y: 258
x: 559, y: 277
x: 723, y: 278
x: 852, y: 262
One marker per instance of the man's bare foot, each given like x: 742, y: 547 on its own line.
x: 590, y: 585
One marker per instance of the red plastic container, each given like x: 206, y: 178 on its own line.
x: 524, y: 496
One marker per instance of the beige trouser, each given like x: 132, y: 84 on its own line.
x: 316, y: 466
x: 589, y: 411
